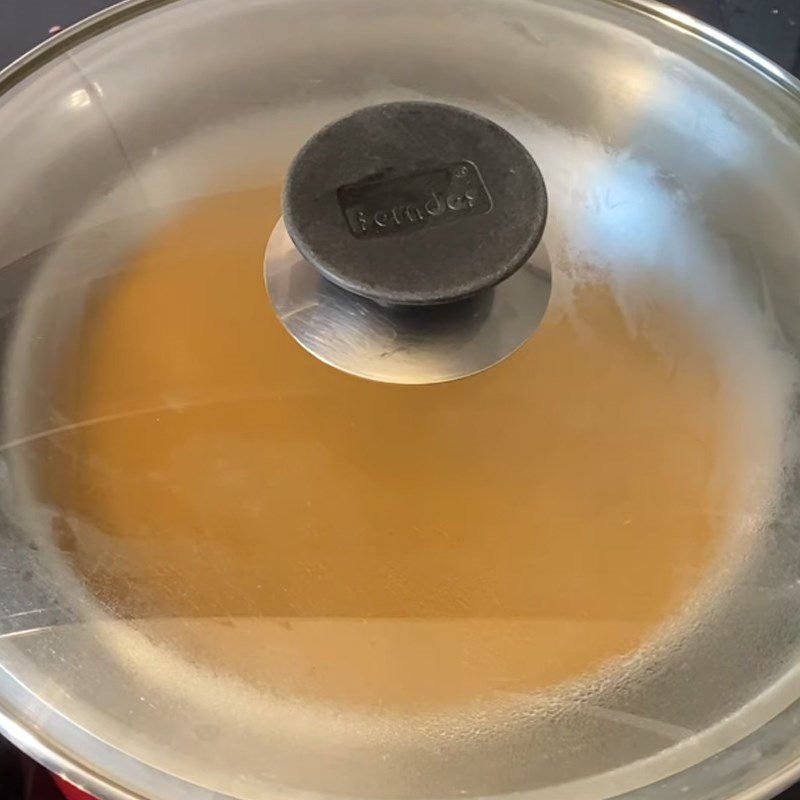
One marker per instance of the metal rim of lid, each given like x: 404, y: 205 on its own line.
x: 57, y: 760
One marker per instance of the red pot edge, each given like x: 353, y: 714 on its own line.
x: 69, y: 791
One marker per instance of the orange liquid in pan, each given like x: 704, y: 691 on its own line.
x: 373, y: 545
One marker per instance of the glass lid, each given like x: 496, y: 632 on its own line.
x: 400, y: 401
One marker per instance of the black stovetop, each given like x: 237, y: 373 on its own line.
x: 770, y: 26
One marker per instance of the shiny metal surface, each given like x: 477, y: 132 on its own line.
x: 406, y: 346
x: 671, y: 149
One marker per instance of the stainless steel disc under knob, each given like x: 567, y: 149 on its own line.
x: 406, y: 250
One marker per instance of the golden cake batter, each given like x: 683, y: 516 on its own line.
x: 413, y: 547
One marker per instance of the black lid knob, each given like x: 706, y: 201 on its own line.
x: 415, y: 203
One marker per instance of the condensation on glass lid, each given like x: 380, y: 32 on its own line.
x: 242, y: 508
x: 273, y: 487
